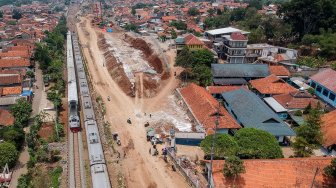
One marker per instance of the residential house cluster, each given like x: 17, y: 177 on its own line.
x: 18, y: 38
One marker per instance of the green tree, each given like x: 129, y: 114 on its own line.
x: 42, y: 56
x: 211, y: 11
x: 193, y: 11
x: 224, y: 146
x: 203, y: 56
x: 55, y: 97
x: 133, y: 11
x: 173, y: 34
x: 30, y: 74
x: 258, y: 4
x: 257, y: 144
x: 256, y: 36
x: 1, y: 14
x: 184, y: 58
x: 233, y: 167
x: 322, y: 14
x: 24, y: 181
x: 180, y: 25
x: 21, y: 112
x: 16, y: 14
x: 309, y: 135
x: 8, y: 154
x: 330, y: 170
x: 238, y: 14
x: 312, y: 62
x: 301, y: 147
x: 15, y: 136
x: 202, y: 74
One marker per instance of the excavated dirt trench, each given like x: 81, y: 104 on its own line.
x: 150, y: 82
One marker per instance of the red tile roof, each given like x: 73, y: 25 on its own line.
x: 296, y: 100
x: 277, y: 173
x: 238, y: 36
x: 279, y: 70
x: 16, y: 90
x: 272, y: 85
x: 8, y: 63
x: 192, y: 40
x: 168, y: 18
x: 7, y: 79
x: 22, y: 54
x: 222, y: 89
x: 203, y: 106
x: 6, y: 118
x: 326, y: 78
x: 328, y: 128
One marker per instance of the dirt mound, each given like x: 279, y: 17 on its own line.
x: 46, y: 131
x: 115, y: 69
x: 149, y: 55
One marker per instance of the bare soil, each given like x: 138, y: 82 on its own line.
x: 138, y: 167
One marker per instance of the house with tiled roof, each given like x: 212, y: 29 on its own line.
x: 328, y: 129
x: 190, y: 41
x: 168, y: 19
x: 251, y: 112
x: 14, y: 64
x: 10, y: 79
x: 217, y: 91
x: 203, y: 107
x: 11, y: 91
x: 297, y: 100
x: 275, y: 173
x: 324, y: 84
x: 280, y: 71
x: 238, y: 74
x: 271, y: 85
x: 6, y: 118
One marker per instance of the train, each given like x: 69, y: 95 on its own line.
x: 98, y: 168
x: 74, y: 122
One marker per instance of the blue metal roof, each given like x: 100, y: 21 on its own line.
x: 252, y: 112
x: 27, y: 93
x: 239, y: 70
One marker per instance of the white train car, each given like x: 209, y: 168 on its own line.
x: 72, y: 88
x: 99, y: 173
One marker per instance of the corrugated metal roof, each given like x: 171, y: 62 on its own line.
x: 226, y: 30
x: 326, y: 78
x: 240, y: 70
x: 277, y: 107
x: 252, y: 112
x: 229, y: 81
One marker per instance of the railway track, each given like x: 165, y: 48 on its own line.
x: 76, y: 166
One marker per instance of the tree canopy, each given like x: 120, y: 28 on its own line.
x: 233, y: 167
x: 257, y: 144
x: 224, y: 146
x: 17, y: 14
x: 330, y: 170
x: 180, y: 25
x: 308, y: 16
x: 8, y: 154
x: 309, y: 135
x: 193, y: 11
x: 199, y: 61
x: 21, y: 112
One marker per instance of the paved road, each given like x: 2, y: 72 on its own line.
x: 21, y: 167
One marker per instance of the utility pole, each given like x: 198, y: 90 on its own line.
x: 217, y: 114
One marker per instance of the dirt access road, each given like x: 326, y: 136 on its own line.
x: 139, y: 167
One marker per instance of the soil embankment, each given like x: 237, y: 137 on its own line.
x: 152, y: 58
x: 115, y: 69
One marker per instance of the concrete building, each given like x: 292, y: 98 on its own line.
x: 325, y: 85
